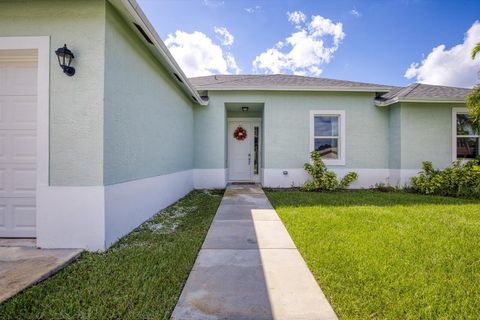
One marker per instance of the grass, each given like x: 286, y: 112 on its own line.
x: 388, y: 255
x: 140, y: 277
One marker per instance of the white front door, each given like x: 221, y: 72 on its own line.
x: 18, y: 108
x: 244, y: 154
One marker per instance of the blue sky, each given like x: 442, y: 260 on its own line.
x: 370, y: 41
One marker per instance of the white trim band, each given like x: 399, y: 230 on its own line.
x: 209, y: 178
x: 275, y: 178
x: 95, y: 217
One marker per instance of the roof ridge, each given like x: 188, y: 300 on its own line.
x: 229, y: 81
x: 340, y: 80
x: 407, y: 90
x: 243, y: 77
x: 442, y: 86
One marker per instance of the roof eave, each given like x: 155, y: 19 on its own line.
x: 139, y: 18
x: 418, y: 100
x: 280, y: 88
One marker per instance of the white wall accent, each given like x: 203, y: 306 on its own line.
x: 71, y: 217
x: 209, y: 178
x: 129, y: 204
x: 275, y: 178
x: 401, y: 177
x: 95, y: 217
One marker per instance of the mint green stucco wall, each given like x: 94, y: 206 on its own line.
x: 76, y: 103
x: 148, y: 120
x: 399, y: 136
x: 395, y: 141
x: 287, y: 128
x: 210, y: 146
x: 426, y: 134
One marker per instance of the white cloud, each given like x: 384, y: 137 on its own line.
x: 450, y: 67
x: 213, y: 3
x: 197, y: 55
x: 305, y: 50
x: 296, y: 17
x: 224, y: 35
x: 355, y: 13
x: 253, y: 9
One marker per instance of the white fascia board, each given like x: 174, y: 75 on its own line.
x: 279, y: 88
x: 386, y: 103
x: 139, y: 17
x: 418, y: 100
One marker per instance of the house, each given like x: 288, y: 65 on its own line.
x: 87, y: 157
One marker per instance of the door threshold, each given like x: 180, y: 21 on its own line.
x: 243, y: 183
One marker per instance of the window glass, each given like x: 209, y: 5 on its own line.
x: 464, y: 127
x: 467, y: 148
x: 256, y: 131
x: 327, y: 130
x: 326, y: 126
x: 328, y: 147
x: 467, y: 139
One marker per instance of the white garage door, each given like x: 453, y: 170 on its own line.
x: 18, y: 89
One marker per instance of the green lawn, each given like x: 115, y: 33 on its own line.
x: 140, y: 277
x: 388, y: 255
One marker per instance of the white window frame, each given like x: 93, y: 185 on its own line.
x: 341, y: 131
x: 455, y: 112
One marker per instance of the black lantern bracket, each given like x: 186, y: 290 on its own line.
x: 65, y: 57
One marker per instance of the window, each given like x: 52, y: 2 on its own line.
x: 256, y: 151
x: 327, y: 131
x: 466, y: 140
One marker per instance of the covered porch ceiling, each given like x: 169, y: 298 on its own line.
x: 256, y: 107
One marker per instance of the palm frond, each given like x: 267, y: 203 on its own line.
x: 475, y: 50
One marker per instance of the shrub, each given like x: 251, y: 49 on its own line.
x: 383, y: 187
x: 473, y: 104
x: 462, y: 179
x: 322, y: 178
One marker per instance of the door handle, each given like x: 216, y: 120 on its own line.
x: 249, y: 159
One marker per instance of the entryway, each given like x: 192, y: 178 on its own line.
x: 18, y: 142
x: 244, y: 149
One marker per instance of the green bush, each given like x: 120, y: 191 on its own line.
x: 324, y: 180
x: 462, y: 179
x: 473, y: 104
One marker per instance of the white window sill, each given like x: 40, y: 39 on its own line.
x: 339, y: 162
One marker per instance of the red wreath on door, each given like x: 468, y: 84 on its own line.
x: 240, y: 134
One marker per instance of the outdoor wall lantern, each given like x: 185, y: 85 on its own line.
x: 65, y: 57
x: 244, y: 109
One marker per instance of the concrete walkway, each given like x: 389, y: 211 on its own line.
x: 249, y: 267
x: 23, y: 265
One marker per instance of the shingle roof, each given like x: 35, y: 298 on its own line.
x: 281, y: 82
x: 422, y: 92
x: 389, y: 94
